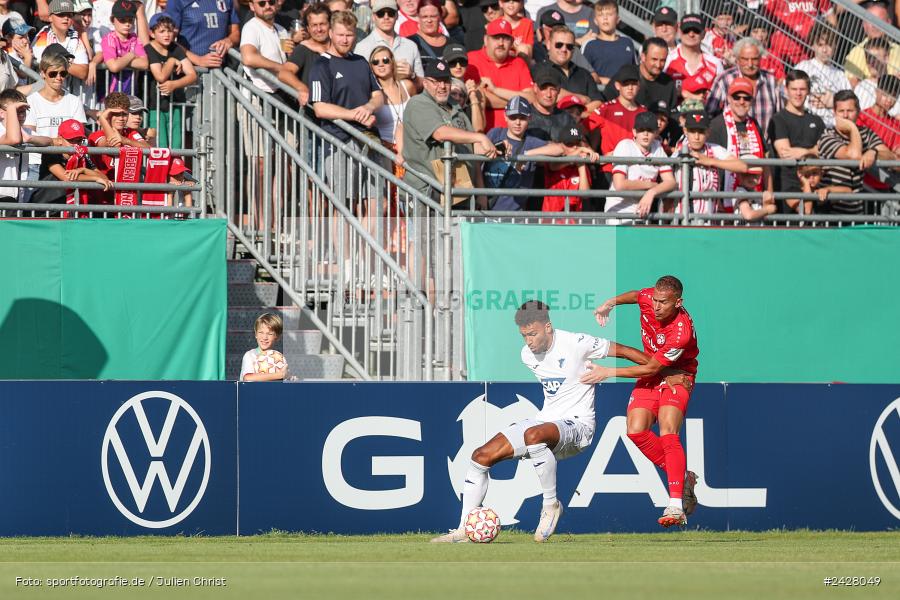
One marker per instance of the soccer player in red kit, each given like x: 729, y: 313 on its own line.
x: 667, y: 332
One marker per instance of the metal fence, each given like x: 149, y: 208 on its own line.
x: 353, y: 244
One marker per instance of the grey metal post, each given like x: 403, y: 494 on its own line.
x: 686, y: 181
x: 445, y: 304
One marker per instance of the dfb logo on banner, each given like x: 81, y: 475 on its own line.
x: 156, y: 446
x: 881, y: 444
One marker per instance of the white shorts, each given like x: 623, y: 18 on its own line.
x: 574, y: 436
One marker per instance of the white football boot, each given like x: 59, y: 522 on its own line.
x: 547, y: 525
x: 455, y: 536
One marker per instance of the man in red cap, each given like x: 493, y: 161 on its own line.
x: 499, y: 75
x: 696, y: 87
x: 740, y: 134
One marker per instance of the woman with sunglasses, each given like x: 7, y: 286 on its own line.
x: 51, y: 105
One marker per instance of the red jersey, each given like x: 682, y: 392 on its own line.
x: 795, y: 19
x: 615, y: 122
x: 511, y: 74
x: 672, y: 345
x: 563, y: 180
x: 677, y: 68
x: 106, y: 163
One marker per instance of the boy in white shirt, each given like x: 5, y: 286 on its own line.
x: 652, y: 179
x: 14, y: 165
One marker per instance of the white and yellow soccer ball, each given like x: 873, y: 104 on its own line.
x: 269, y: 361
x: 482, y: 525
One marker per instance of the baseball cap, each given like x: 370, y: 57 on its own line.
x: 741, y: 85
x: 692, y: 105
x: 752, y: 169
x: 660, y: 107
x: 570, y: 100
x: 518, y: 105
x: 665, y: 15
x: 696, y: 120
x: 646, y: 121
x: 692, y: 22
x: 82, y: 5
x: 71, y: 129
x: 498, y: 27
x: 58, y: 49
x: 437, y: 69
x: 61, y: 6
x: 546, y: 74
x: 137, y: 105
x: 16, y: 27
x: 454, y: 52
x: 551, y: 18
x: 628, y: 73
x: 382, y: 4
x: 177, y: 167
x: 569, y: 135
x: 124, y: 9
x: 696, y: 84
x: 153, y: 21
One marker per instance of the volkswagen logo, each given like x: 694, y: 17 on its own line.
x: 880, y: 443
x: 155, y: 444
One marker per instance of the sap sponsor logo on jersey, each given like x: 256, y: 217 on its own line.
x: 551, y: 385
x: 887, y: 486
x: 132, y: 498
x: 506, y: 496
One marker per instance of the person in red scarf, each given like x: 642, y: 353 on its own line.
x: 76, y: 165
x: 740, y: 134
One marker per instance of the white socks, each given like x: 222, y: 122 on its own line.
x: 474, y: 489
x: 545, y: 465
x: 676, y: 502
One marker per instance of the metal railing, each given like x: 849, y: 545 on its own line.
x: 352, y: 244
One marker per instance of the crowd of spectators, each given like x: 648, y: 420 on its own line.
x: 499, y: 78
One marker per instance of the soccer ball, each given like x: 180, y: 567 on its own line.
x: 482, y: 525
x: 269, y: 361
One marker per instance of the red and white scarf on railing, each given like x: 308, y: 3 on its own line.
x: 128, y: 170
x: 741, y: 144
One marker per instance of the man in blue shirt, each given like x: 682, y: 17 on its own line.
x: 514, y: 142
x: 207, y: 28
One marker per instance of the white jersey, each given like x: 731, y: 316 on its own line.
x: 558, y: 370
x: 635, y: 172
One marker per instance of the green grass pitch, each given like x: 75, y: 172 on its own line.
x: 674, y: 564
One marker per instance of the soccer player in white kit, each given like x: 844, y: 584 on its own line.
x: 562, y: 428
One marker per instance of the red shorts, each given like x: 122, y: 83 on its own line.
x: 653, y: 393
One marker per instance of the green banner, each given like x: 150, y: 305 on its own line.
x: 769, y: 305
x: 113, y: 299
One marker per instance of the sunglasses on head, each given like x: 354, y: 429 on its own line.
x: 559, y: 46
x: 386, y: 12
x: 381, y: 61
x: 55, y: 74
x: 742, y: 97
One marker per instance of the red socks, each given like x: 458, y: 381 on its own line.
x: 649, y: 445
x: 675, y: 463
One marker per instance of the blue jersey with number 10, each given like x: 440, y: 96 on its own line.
x: 201, y: 23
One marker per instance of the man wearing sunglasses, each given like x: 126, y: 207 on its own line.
x: 499, y: 75
x: 406, y: 53
x: 740, y: 134
x: 261, y: 43
x: 575, y: 80
x: 688, y: 59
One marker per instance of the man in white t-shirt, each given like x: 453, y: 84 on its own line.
x: 261, y: 40
x: 562, y: 428
x: 51, y: 105
x: 653, y: 180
